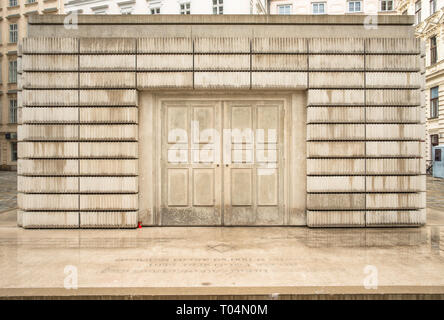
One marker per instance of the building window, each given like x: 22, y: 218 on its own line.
x: 13, y: 33
x: 218, y: 6
x: 13, y: 3
x: 433, y: 51
x: 185, y: 8
x: 13, y: 151
x: 432, y: 6
x: 318, y: 7
x: 13, y: 111
x: 386, y: 5
x: 284, y: 9
x: 155, y: 10
x: 13, y: 71
x: 31, y: 1
x: 418, y: 11
x: 434, y: 141
x: 354, y: 6
x: 434, y: 102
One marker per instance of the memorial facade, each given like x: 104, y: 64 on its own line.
x: 220, y: 121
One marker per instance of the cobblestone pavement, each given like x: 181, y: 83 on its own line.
x: 435, y: 193
x: 8, y: 190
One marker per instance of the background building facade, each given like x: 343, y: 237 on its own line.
x: 13, y: 26
x: 166, y: 6
x: 333, y: 7
x: 429, y: 18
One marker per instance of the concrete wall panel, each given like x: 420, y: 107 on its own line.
x: 336, y: 114
x: 111, y: 132
x: 392, y: 62
x: 221, y: 80
x: 108, y: 62
x: 108, y: 202
x: 108, y: 150
x: 108, y: 167
x: 336, y: 45
x: 45, y: 98
x: 149, y: 80
x: 165, y: 62
x: 393, y: 80
x: 335, y: 201
x: 220, y: 45
x: 48, y: 149
x: 50, y: 45
x: 50, y: 80
x: 393, y: 148
x: 394, y: 217
x: 53, y: 62
x: 395, y: 183
x: 279, y: 45
x: 335, y: 166
x: 165, y: 45
x: 109, y: 184
x: 107, y: 45
x: 222, y: 62
x: 335, y: 131
x: 393, y: 97
x: 336, y: 80
x: 335, y: 218
x: 393, y: 45
x: 280, y: 80
x: 278, y: 62
x: 47, y: 167
x: 336, y: 184
x: 28, y: 201
x: 49, y: 115
x: 48, y: 184
x: 394, y: 114
x: 394, y: 166
x: 395, y: 200
x: 335, y: 97
x: 109, y: 115
x: 335, y: 149
x: 50, y: 219
x: 107, y: 80
x: 395, y: 131
x: 111, y: 219
x: 47, y: 132
x: 108, y: 97
x: 336, y: 62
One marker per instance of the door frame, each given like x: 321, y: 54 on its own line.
x: 156, y: 100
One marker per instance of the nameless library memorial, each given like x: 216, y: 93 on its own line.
x: 161, y: 120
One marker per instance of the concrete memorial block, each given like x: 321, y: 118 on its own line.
x: 335, y: 201
x: 46, y: 98
x: 395, y: 200
x: 50, y: 115
x: 27, y: 201
x: 108, y: 167
x: 336, y: 184
x: 108, y: 132
x: 335, y: 97
x: 336, y: 218
x: 108, y: 184
x: 336, y: 114
x: 278, y: 62
x: 47, y: 167
x: 108, y: 201
x: 108, y: 219
x: 221, y: 80
x: 335, y: 166
x: 48, y: 149
x: 393, y: 149
x: 47, y: 184
x: 109, y: 115
x: 394, y: 114
x: 395, y: 183
x: 107, y: 62
x: 294, y: 80
x: 153, y: 62
x: 392, y: 62
x: 98, y: 108
x: 393, y: 218
x: 393, y: 80
x: 221, y: 62
x: 165, y: 45
x: 108, y: 97
x: 336, y: 79
x: 108, y: 150
x: 335, y: 149
x: 337, y: 62
x: 279, y: 45
x: 50, y: 219
x: 335, y: 132
x: 49, y: 62
x: 37, y: 132
x: 107, y: 45
x: 55, y: 80
x: 107, y: 79
x: 149, y: 80
x: 50, y: 45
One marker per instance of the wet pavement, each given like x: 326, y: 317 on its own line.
x: 198, y: 261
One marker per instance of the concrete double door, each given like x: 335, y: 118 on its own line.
x: 221, y: 163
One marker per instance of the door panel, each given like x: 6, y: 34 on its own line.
x: 191, y: 186
x: 253, y: 181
